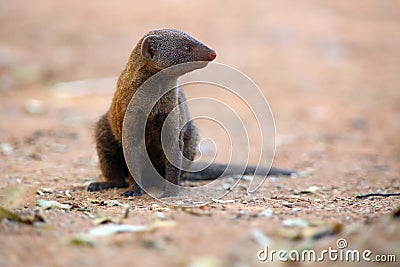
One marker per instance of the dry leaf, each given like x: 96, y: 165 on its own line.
x: 126, y: 209
x: 112, y: 229
x: 314, y: 189
x: 5, y: 213
x: 205, y: 262
x: 295, y: 222
x: 80, y: 240
x: 220, y: 201
x: 194, y: 212
x: 289, y: 234
x: 49, y: 204
x: 260, y: 238
x: 102, y: 219
x: 11, y: 196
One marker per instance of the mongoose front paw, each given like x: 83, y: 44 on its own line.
x: 98, y: 186
x: 132, y: 193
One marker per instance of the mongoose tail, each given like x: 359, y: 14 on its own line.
x: 214, y: 171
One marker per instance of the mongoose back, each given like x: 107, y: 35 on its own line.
x: 156, y: 51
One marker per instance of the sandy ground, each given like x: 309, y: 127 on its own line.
x: 330, y: 71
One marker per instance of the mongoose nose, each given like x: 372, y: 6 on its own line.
x: 213, y: 55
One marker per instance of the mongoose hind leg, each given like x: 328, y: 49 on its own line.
x: 111, y: 158
x: 135, y: 191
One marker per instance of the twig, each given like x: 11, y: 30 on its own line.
x: 378, y: 195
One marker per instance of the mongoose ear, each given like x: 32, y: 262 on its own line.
x: 149, y: 47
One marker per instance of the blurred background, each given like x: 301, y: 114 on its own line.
x: 325, y: 68
x: 329, y: 69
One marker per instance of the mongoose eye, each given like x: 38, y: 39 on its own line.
x: 187, y: 48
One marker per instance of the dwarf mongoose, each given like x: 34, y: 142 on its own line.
x: 156, y: 51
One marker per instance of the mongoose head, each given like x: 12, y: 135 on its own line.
x: 164, y: 48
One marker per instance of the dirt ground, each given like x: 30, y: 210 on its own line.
x: 329, y: 69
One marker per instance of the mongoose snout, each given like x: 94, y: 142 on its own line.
x: 213, y: 55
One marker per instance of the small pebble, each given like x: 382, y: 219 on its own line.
x: 34, y: 107
x: 265, y: 213
x: 6, y: 149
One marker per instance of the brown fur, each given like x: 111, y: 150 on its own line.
x: 108, y: 133
x: 157, y: 50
